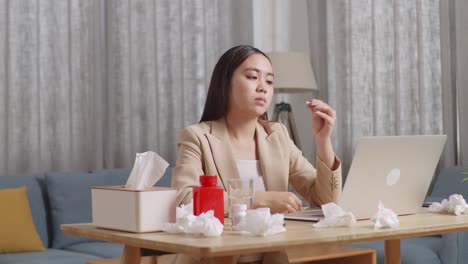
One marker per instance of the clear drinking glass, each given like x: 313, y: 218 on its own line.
x: 240, y: 191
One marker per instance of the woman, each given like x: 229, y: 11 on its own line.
x: 234, y: 129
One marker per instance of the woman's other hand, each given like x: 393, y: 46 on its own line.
x: 278, y: 202
x: 323, y: 118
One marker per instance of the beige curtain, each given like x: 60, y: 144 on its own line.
x: 382, y: 68
x: 160, y: 58
x: 85, y: 84
x: 50, y: 86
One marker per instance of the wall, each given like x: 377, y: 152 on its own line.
x: 454, y: 47
x: 461, y: 74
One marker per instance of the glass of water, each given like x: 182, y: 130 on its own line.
x: 240, y: 191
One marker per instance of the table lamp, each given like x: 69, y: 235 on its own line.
x: 293, y: 74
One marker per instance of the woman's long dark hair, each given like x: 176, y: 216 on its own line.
x: 216, y: 105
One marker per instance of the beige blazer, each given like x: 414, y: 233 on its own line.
x: 204, y: 148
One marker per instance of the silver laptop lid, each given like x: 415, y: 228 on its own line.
x: 394, y: 169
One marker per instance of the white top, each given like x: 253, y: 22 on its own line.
x: 250, y: 169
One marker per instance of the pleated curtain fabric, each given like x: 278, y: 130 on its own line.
x: 50, y: 86
x: 160, y: 58
x: 85, y: 84
x: 383, y: 70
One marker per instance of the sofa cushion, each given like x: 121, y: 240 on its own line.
x: 50, y: 256
x: 165, y: 180
x: 101, y: 249
x: 35, y: 199
x: 449, y: 181
x: 17, y: 228
x: 70, y: 199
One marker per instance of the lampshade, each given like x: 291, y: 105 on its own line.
x: 293, y: 72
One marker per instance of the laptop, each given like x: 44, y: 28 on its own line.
x: 396, y: 170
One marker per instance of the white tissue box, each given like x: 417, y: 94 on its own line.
x: 139, y: 211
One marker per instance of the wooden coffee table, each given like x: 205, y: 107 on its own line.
x: 299, y: 236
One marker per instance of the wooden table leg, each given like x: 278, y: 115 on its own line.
x: 131, y: 255
x: 392, y: 251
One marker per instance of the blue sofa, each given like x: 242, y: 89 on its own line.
x: 60, y: 198
x: 438, y: 249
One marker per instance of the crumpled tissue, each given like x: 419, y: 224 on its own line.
x: 385, y: 218
x: 456, y: 204
x: 260, y: 222
x: 148, y: 168
x: 205, y: 224
x: 334, y: 216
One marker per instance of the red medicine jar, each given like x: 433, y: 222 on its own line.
x: 208, y: 196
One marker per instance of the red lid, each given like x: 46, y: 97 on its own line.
x: 208, y: 180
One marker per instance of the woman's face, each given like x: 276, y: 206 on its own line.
x: 251, y: 87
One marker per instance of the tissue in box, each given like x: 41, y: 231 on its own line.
x: 138, y: 211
